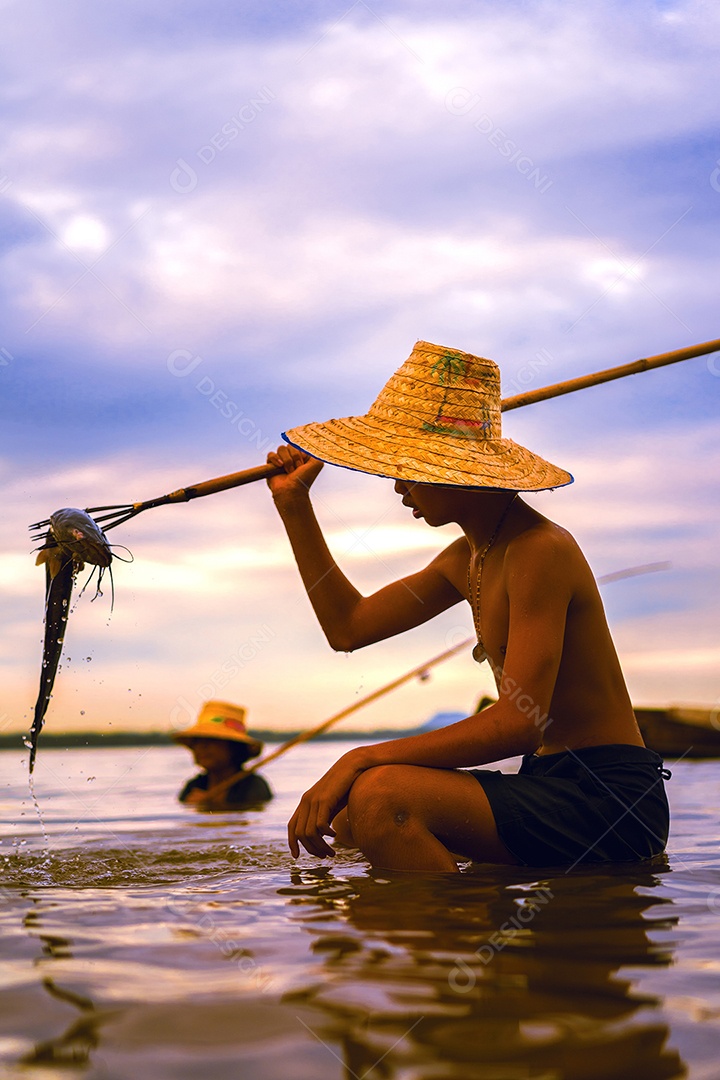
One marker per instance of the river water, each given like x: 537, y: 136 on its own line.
x: 143, y: 939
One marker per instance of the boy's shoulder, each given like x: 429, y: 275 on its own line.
x: 547, y: 550
x: 456, y: 551
x: 543, y: 536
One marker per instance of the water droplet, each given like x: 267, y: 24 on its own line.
x: 90, y: 779
x: 82, y: 712
x: 88, y: 658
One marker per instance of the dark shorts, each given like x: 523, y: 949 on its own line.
x: 596, y: 804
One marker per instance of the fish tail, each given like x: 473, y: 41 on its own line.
x: 58, y: 589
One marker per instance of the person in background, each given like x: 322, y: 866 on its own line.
x: 220, y: 744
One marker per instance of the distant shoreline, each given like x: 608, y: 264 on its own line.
x: 73, y: 739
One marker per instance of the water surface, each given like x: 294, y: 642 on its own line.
x: 144, y: 939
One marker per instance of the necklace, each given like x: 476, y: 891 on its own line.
x: 479, y: 652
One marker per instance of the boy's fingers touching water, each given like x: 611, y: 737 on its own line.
x: 319, y: 805
x: 308, y: 825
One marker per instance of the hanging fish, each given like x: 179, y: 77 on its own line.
x: 72, y: 540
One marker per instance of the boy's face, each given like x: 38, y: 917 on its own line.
x: 438, y: 505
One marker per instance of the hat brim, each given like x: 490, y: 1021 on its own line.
x: 200, y: 731
x: 367, y: 444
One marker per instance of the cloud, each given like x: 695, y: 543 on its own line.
x: 248, y: 245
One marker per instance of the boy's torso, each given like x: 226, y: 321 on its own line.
x: 590, y: 704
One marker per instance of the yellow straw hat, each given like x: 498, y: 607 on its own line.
x: 436, y: 421
x: 220, y: 720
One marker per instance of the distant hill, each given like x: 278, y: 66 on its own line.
x: 440, y: 720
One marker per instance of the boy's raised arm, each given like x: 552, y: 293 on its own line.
x: 349, y: 619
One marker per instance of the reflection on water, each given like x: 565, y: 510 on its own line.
x: 145, y: 940
x: 74, y: 1045
x: 490, y: 975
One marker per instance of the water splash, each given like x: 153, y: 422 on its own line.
x: 36, y: 804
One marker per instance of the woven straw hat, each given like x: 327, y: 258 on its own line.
x: 436, y: 421
x: 220, y: 720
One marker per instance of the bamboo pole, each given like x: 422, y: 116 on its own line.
x: 633, y: 368
x: 121, y: 514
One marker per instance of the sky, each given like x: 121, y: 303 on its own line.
x: 214, y: 204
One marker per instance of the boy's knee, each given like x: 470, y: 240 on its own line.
x: 376, y: 799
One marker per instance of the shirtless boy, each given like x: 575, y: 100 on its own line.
x: 588, y: 789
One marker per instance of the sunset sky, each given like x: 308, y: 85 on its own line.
x: 220, y: 220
